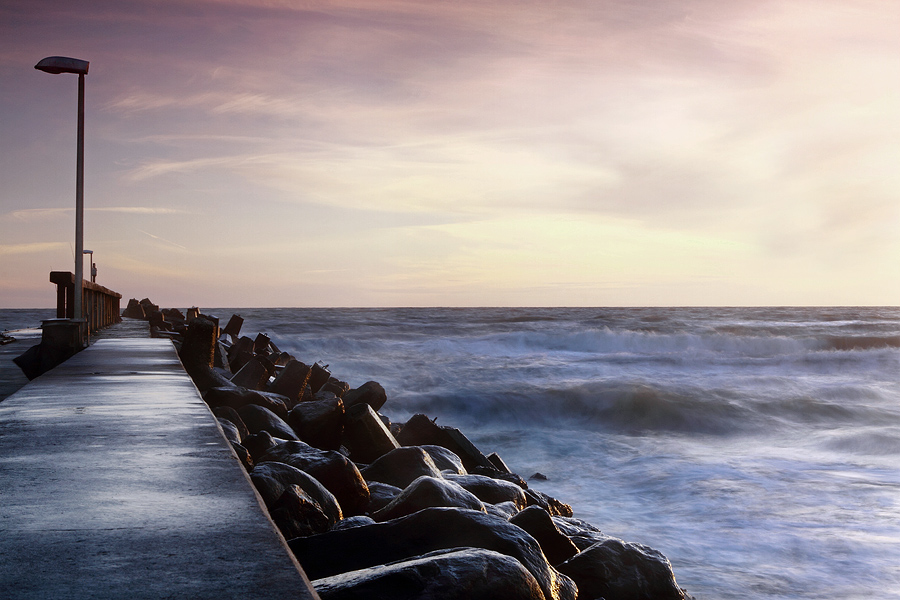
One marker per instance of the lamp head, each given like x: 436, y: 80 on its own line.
x: 63, y: 64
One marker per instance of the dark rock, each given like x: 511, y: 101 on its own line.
x: 350, y: 522
x: 134, y: 310
x: 419, y: 430
x: 148, y: 306
x: 370, y: 392
x: 320, y: 374
x: 365, y: 435
x: 380, y: 495
x: 443, y: 575
x: 259, y: 419
x: 333, y: 470
x: 232, y: 434
x: 401, y: 467
x: 291, y: 381
x: 272, y: 478
x: 198, y: 349
x: 296, y: 514
x: 259, y: 444
x: 444, y: 459
x: 431, y: 529
x: 243, y: 455
x: 504, y: 510
x: 319, y: 423
x: 234, y: 326
x: 583, y: 534
x: 261, y: 344
x: 237, y: 397
x: 228, y: 413
x: 539, y: 477
x: 490, y: 490
x: 220, y: 359
x: 617, y: 570
x: 192, y: 313
x: 253, y: 375
x: 505, y: 476
x: 336, y: 386
x: 465, y: 449
x: 428, y: 492
x: 498, y: 463
x: 553, y: 506
x: 537, y: 522
x: 239, y: 353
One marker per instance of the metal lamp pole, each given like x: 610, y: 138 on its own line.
x: 57, y: 65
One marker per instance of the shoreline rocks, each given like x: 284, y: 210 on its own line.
x: 372, y: 508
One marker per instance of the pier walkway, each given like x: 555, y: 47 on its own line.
x: 116, y: 482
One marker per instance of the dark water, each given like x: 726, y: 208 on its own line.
x: 757, y: 448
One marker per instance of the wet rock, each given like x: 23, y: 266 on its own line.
x: 335, y: 386
x: 319, y: 423
x: 350, y: 522
x: 261, y: 344
x: 431, y: 529
x: 239, y: 353
x: 483, y: 574
x: 491, y: 490
x: 134, y: 310
x: 296, y: 514
x: 233, y: 328
x: 259, y: 444
x: 428, y: 492
x: 232, y: 434
x: 617, y: 570
x: 380, y: 495
x: 237, y: 397
x: 197, y: 354
x: 537, y: 522
x: 539, y: 477
x: 401, y: 467
x: 243, y: 455
x: 291, y: 381
x: 504, y: 510
x: 444, y: 459
x: 259, y: 419
x: 370, y: 393
x: 229, y: 414
x: 365, y: 435
x: 419, y: 430
x: 272, y: 479
x: 583, y: 534
x: 254, y: 375
x: 498, y: 463
x: 148, y: 306
x: 553, y: 506
x: 319, y: 376
x: 332, y: 469
x: 504, y: 476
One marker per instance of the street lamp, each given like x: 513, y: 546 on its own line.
x: 57, y: 65
x: 93, y: 266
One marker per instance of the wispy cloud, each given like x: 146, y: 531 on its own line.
x: 30, y: 248
x: 38, y: 214
x: 162, y: 239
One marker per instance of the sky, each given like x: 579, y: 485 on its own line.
x: 253, y: 153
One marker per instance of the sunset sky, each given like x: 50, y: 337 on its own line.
x: 467, y: 153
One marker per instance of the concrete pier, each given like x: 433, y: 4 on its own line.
x: 116, y: 482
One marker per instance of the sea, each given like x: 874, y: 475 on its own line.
x: 757, y: 448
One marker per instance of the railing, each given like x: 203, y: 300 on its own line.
x: 99, y: 304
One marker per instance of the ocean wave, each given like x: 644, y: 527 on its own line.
x: 861, y: 342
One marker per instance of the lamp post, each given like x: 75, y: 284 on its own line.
x: 57, y: 65
x: 93, y: 266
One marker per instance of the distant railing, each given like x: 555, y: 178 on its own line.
x: 99, y: 304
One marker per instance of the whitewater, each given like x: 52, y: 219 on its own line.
x: 757, y: 448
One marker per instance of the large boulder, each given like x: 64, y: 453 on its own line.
x: 291, y: 381
x: 583, y: 534
x: 237, y: 397
x: 259, y: 419
x: 229, y: 414
x: 444, y: 459
x: 538, y: 523
x: 401, y: 467
x: 134, y: 310
x: 365, y: 435
x: 419, y: 430
x: 428, y: 492
x: 371, y: 393
x: 471, y: 573
x: 258, y: 444
x: 319, y: 423
x: 332, y: 469
x: 380, y: 495
x: 617, y: 570
x: 271, y: 479
x: 431, y: 529
x: 296, y: 514
x: 493, y: 491
x: 553, y: 506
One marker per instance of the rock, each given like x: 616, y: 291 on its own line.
x: 228, y: 413
x: 443, y: 575
x: 444, y: 459
x: 291, y: 381
x: 504, y: 510
x: 259, y: 444
x: 583, y: 534
x: 490, y: 490
x: 272, y: 478
x: 148, y: 306
x: 254, y: 375
x: 192, y: 313
x: 419, y: 430
x: 234, y: 326
x: 350, y: 522
x: 259, y: 419
x: 261, y: 344
x: 428, y: 492
x: 505, y: 476
x: 197, y: 353
x: 539, y: 477
x: 380, y: 495
x: 335, y: 386
x: 498, y: 463
x: 465, y: 449
x: 134, y: 310
x: 237, y: 397
x: 365, y: 435
x: 239, y: 353
x: 431, y: 529
x: 243, y: 455
x: 537, y: 522
x: 296, y: 514
x: 617, y: 570
x: 551, y: 505
x: 332, y: 469
x: 401, y: 467
x: 370, y: 392
x: 319, y: 423
x: 220, y: 359
x: 319, y: 376
x: 230, y: 430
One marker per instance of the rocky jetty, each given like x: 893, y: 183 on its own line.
x: 377, y: 509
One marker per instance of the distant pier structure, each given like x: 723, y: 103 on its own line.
x: 101, y: 306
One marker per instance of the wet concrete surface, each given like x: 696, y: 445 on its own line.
x: 116, y: 482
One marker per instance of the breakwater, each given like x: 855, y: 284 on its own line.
x: 370, y: 506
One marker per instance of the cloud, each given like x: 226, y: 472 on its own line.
x: 39, y: 214
x: 30, y: 248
